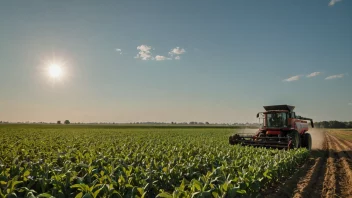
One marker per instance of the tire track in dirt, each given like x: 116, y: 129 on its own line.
x: 305, y: 184
x: 348, y: 143
x: 347, y: 146
x: 329, y: 186
x: 344, y: 170
x: 343, y: 147
x: 311, y: 183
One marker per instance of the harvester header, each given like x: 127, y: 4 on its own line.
x: 281, y: 128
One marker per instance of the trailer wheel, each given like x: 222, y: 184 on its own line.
x: 307, y: 141
x: 296, y: 140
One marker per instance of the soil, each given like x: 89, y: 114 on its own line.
x: 327, y: 173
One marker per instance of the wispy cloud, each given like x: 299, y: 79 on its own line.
x: 161, y: 58
x: 118, y: 50
x: 334, y: 76
x: 333, y: 2
x: 144, y: 52
x: 293, y: 78
x: 313, y: 74
x: 177, y: 51
x: 350, y: 103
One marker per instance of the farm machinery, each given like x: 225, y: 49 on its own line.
x: 280, y: 128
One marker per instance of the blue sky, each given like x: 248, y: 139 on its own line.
x: 126, y: 61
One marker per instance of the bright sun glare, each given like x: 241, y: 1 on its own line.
x: 55, y: 70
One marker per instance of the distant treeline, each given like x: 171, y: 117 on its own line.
x: 333, y: 124
x: 139, y: 123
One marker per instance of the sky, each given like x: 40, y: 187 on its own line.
x: 180, y: 61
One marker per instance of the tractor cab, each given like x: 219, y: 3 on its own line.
x: 277, y: 116
x: 276, y: 120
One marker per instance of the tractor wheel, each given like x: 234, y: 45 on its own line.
x: 296, y: 140
x: 307, y: 141
x: 261, y: 135
x: 233, y: 139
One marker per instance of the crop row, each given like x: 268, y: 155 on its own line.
x: 90, y: 162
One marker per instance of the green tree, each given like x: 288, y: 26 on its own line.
x: 67, y: 122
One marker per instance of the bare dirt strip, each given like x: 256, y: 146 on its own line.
x: 328, y: 172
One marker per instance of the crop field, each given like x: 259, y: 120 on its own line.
x: 93, y: 161
x: 344, y: 134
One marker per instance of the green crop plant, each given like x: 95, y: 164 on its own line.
x: 69, y: 161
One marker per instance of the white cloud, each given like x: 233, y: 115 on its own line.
x: 293, y: 78
x: 177, y: 51
x: 333, y: 2
x: 161, y: 58
x: 334, y: 76
x: 118, y: 50
x: 350, y: 103
x: 144, y: 53
x: 313, y: 74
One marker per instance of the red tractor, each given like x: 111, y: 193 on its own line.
x: 281, y: 128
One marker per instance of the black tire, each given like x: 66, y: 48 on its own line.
x: 261, y: 135
x: 295, y: 138
x: 307, y: 141
x: 233, y: 139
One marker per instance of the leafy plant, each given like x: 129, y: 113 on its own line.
x: 57, y: 161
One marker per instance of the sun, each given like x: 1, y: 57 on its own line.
x: 55, y: 70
